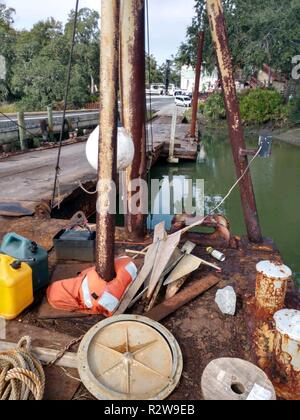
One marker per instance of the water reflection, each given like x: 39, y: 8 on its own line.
x: 277, y: 187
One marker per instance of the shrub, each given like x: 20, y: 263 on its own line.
x: 258, y: 106
x: 214, y: 107
x: 261, y: 106
x: 293, y: 110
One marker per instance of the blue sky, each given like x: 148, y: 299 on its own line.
x: 168, y: 19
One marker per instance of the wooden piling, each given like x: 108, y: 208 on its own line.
x: 22, y: 130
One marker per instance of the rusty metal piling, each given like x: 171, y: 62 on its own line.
x: 220, y: 39
x: 107, y: 173
x: 133, y: 103
x: 197, y: 83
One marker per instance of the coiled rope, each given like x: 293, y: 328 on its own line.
x: 21, y: 375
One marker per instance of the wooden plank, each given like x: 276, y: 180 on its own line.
x: 145, y: 272
x: 165, y: 251
x: 55, y: 341
x: 192, y: 291
x: 69, y: 360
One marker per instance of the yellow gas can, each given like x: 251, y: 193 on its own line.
x: 16, y: 289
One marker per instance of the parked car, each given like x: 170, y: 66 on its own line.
x: 185, y: 101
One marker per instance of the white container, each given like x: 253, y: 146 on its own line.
x: 288, y: 338
x: 216, y: 254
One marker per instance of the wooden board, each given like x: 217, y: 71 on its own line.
x: 192, y: 291
x: 145, y: 272
x: 52, y: 340
x: 236, y: 380
x: 165, y: 251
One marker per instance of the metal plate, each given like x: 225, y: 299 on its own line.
x: 14, y: 210
x: 130, y: 358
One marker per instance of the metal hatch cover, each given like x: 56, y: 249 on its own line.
x: 130, y: 357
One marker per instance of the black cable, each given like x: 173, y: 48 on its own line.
x: 18, y: 125
x: 57, y: 169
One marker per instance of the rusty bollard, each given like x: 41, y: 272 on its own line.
x: 287, y: 354
x: 271, y: 286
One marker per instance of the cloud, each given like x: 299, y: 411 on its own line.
x: 168, y: 19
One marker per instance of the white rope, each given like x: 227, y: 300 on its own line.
x: 86, y: 191
x: 237, y: 183
x: 188, y: 228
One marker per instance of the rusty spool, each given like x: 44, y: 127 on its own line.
x: 287, y: 354
x: 271, y: 286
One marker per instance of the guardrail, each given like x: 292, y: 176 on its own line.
x: 9, y: 131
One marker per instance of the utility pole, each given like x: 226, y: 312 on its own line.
x: 168, y: 72
x: 133, y: 100
x: 107, y: 162
x: 197, y: 83
x: 220, y: 39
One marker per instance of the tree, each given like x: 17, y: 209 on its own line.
x: 259, y: 32
x: 39, y: 73
x: 7, y: 40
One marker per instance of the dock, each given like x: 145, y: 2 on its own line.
x: 203, y: 332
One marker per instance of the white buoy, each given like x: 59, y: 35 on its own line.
x: 125, y: 149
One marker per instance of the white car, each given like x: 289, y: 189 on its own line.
x: 185, y: 101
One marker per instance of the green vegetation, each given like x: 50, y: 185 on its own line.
x: 259, y: 32
x: 258, y: 106
x: 157, y: 74
x: 37, y: 61
x: 293, y: 110
x: 8, y: 109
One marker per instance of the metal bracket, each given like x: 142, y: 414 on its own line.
x: 265, y: 145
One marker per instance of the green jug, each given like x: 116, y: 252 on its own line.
x: 30, y: 252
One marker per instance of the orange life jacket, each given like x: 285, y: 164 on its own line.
x: 91, y: 294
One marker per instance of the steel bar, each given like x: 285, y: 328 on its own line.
x: 107, y: 173
x: 133, y: 102
x: 220, y: 39
x: 197, y: 83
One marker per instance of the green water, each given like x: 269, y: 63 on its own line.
x: 277, y: 188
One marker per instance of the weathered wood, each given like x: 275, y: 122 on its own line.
x: 236, y: 380
x: 165, y: 251
x: 69, y: 360
x: 145, y: 272
x: 195, y: 289
x: 22, y: 130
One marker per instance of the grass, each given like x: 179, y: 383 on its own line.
x: 8, y: 108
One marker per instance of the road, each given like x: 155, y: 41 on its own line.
x: 28, y: 178
x: 157, y: 103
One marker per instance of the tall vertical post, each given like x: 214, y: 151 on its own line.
x: 197, y: 83
x: 22, y: 130
x: 220, y: 39
x: 107, y: 162
x: 50, y: 122
x: 133, y: 100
